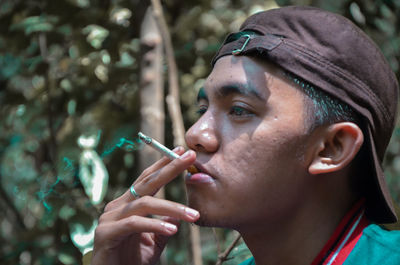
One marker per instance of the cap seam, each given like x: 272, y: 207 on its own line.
x: 340, y: 74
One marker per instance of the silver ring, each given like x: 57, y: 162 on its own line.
x: 134, y: 193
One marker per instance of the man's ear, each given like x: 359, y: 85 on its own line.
x: 336, y: 147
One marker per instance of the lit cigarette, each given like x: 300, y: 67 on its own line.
x: 164, y: 150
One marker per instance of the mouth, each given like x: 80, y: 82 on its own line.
x: 201, y: 176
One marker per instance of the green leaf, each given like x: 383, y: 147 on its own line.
x: 384, y: 26
x: 95, y: 35
x: 357, y: 14
x: 66, y: 258
x: 39, y: 27
x: 385, y: 11
x: 33, y: 24
x: 66, y: 212
x: 82, y: 233
x: 9, y: 66
x: 126, y: 60
x: 121, y: 16
x: 80, y: 3
x: 7, y: 6
x: 65, y: 30
x: 92, y: 173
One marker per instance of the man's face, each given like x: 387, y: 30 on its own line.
x: 251, y: 142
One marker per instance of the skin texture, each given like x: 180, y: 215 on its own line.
x: 262, y: 173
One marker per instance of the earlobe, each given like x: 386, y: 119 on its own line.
x: 336, y: 147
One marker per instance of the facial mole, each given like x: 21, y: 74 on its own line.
x: 275, y: 117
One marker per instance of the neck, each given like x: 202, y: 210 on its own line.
x: 298, y: 238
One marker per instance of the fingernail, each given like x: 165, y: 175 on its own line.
x: 190, y: 212
x: 170, y: 227
x: 186, y: 155
x: 176, y: 149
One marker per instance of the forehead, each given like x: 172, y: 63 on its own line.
x: 240, y: 70
x: 249, y: 76
x: 262, y: 81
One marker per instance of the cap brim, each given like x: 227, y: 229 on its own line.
x: 380, y: 206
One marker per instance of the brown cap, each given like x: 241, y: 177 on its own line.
x: 330, y: 52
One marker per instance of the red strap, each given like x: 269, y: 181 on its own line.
x: 350, y: 244
x: 340, y: 234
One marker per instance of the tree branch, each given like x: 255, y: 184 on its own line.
x: 11, y: 205
x: 224, y: 256
x: 152, y: 94
x: 173, y: 102
x: 50, y: 84
x: 174, y: 110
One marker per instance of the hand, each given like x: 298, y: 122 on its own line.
x: 126, y: 234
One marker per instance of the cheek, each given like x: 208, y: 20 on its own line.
x: 248, y: 156
x: 265, y: 157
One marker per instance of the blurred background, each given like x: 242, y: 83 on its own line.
x: 80, y: 78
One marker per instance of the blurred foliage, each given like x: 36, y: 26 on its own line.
x: 70, y: 69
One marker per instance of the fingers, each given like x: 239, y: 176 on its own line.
x: 125, y: 221
x: 129, y: 224
x: 114, y: 232
x: 132, y: 213
x: 158, y: 175
x: 150, y: 184
x: 153, y: 206
x: 163, y: 161
x: 161, y: 240
x: 150, y: 239
x: 139, y: 224
x: 129, y: 237
x: 146, y: 174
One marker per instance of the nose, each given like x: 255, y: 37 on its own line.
x: 202, y: 137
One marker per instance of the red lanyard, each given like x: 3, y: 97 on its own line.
x: 345, y: 237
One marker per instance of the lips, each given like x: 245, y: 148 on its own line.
x: 200, y: 177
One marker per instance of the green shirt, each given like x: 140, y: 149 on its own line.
x: 376, y: 246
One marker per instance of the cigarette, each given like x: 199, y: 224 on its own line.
x: 163, y: 150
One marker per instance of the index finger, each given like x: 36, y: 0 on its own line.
x: 150, y: 182
x: 149, y: 185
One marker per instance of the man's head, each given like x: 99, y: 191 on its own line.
x: 253, y: 142
x: 261, y: 158
x: 345, y: 84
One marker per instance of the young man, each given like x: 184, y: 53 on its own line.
x: 295, y: 119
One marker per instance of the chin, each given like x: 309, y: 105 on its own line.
x: 206, y: 221
x: 209, y: 216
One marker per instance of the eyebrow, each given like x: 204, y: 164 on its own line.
x: 230, y: 89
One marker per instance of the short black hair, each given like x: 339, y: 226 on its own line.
x: 325, y: 109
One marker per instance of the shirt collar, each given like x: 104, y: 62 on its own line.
x: 344, y: 238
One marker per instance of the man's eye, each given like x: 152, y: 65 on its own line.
x: 239, y: 111
x: 201, y: 110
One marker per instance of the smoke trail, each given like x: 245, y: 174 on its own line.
x: 123, y: 143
